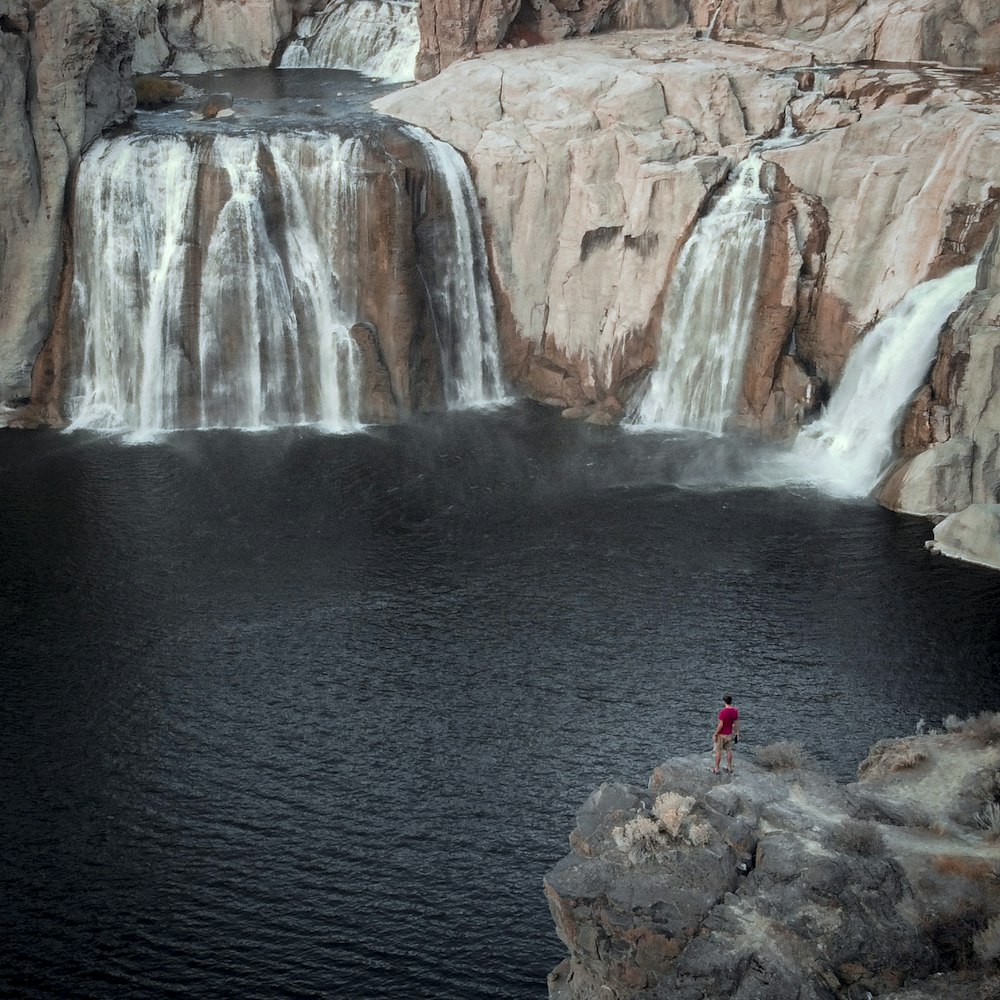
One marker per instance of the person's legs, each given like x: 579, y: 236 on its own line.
x: 718, y: 755
x: 729, y: 758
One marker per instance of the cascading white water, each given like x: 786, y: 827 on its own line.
x: 242, y: 325
x: 217, y: 277
x: 709, y: 309
x: 461, y: 298
x: 847, y: 449
x: 379, y: 38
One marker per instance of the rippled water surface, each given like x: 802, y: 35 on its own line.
x: 291, y: 715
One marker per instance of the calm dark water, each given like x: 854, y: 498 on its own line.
x: 299, y: 716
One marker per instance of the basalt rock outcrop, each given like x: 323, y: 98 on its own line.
x: 64, y: 76
x: 778, y: 882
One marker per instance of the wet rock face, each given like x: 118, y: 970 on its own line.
x: 778, y: 882
x: 64, y: 75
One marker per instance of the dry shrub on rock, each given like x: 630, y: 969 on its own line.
x: 986, y: 943
x: 649, y: 838
x: 887, y: 756
x: 984, y: 727
x: 671, y: 810
x: 988, y: 819
x: 785, y: 755
x: 858, y: 837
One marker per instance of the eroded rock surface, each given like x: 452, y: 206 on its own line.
x: 773, y: 883
x: 191, y: 36
x: 64, y: 75
x: 595, y: 157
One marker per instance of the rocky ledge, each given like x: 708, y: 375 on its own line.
x: 778, y: 882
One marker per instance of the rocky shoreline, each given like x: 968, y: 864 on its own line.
x: 779, y: 882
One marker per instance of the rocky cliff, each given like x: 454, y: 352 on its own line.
x: 777, y: 882
x: 595, y: 157
x: 65, y: 75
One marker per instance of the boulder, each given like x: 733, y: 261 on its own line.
x: 778, y: 881
x: 971, y: 535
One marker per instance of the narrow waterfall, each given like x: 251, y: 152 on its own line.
x: 379, y: 38
x: 847, y: 449
x: 461, y: 298
x: 709, y: 310
x: 217, y: 278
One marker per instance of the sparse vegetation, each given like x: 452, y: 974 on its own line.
x: 965, y: 867
x: 784, y: 755
x: 986, y: 943
x: 988, y: 819
x: 650, y: 837
x: 858, y: 837
x: 984, y: 727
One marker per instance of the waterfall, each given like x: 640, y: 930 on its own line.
x: 847, y: 449
x: 216, y: 277
x: 379, y: 38
x: 708, y: 310
x: 461, y: 297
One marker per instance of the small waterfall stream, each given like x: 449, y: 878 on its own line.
x: 379, y: 38
x: 461, y: 300
x: 709, y: 309
x: 847, y: 449
x: 217, y: 278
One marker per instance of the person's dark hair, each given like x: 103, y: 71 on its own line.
x: 728, y: 699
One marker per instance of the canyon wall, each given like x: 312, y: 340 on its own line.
x: 64, y: 76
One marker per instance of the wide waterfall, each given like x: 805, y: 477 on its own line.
x: 217, y: 278
x: 709, y: 310
x: 379, y: 38
x: 848, y: 448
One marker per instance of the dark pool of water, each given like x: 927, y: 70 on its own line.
x: 299, y: 716
x: 267, y: 99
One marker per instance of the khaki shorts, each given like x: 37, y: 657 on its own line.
x: 724, y: 742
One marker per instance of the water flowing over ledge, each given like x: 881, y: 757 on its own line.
x: 379, y: 38
x: 846, y: 451
x: 249, y: 280
x: 709, y: 310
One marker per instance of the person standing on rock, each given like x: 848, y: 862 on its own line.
x: 727, y: 733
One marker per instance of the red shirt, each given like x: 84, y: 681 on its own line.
x: 727, y: 717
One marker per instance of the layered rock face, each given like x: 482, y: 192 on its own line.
x: 64, y: 76
x: 956, y: 32
x: 777, y: 882
x: 595, y: 157
x: 191, y: 36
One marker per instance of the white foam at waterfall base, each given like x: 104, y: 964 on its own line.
x: 379, y: 38
x: 708, y: 311
x: 846, y: 451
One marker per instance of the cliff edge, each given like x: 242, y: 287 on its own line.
x: 779, y: 882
